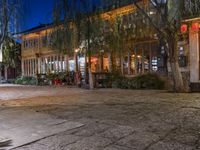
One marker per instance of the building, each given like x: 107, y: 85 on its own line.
x: 38, y: 58
x: 142, y: 52
x: 191, y: 43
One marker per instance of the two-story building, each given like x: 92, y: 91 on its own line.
x: 140, y: 54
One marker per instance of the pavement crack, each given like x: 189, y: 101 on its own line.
x: 192, y: 107
x: 161, y: 139
x: 115, y: 142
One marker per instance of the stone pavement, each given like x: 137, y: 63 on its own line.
x: 109, y: 119
x: 24, y: 127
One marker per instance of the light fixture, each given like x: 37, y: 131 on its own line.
x: 77, y: 50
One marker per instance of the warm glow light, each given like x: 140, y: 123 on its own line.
x: 76, y: 50
x: 184, y: 28
x: 139, y: 56
x: 195, y: 26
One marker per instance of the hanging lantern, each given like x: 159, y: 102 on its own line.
x: 184, y: 28
x: 195, y: 26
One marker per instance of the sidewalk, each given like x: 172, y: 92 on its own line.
x: 24, y: 127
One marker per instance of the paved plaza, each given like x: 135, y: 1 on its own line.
x: 63, y: 118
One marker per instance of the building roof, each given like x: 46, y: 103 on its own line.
x: 36, y: 29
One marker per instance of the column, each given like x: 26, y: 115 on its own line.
x: 39, y: 65
x: 34, y: 67
x: 25, y: 67
x: 57, y: 63
x: 50, y: 64
x: 194, y: 56
x: 45, y: 65
x: 31, y: 68
x: 22, y: 67
x: 54, y: 64
x: 28, y: 66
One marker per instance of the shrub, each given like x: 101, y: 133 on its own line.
x: 24, y: 80
x: 147, y: 81
x: 62, y: 76
x: 18, y: 80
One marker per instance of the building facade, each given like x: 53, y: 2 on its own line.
x: 142, y: 52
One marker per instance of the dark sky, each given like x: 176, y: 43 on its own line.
x: 37, y: 11
x: 40, y: 11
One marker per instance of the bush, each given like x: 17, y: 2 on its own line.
x: 147, y: 81
x: 18, y: 80
x: 24, y: 80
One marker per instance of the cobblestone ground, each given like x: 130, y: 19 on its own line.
x: 113, y: 119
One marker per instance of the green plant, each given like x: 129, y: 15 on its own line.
x: 51, y: 77
x: 146, y: 81
x: 62, y: 76
x: 24, y: 80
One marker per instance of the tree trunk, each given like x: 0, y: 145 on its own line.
x: 67, y: 63
x: 122, y: 63
x: 177, y: 77
x: 91, y: 84
x: 0, y: 72
x: 113, y: 62
x: 110, y: 62
x: 6, y: 72
x: 91, y: 81
x: 175, y: 69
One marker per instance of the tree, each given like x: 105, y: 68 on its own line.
x: 9, y: 20
x: 79, y: 26
x: 166, y: 22
x: 64, y: 34
x: 11, y: 53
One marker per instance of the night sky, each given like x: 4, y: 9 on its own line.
x: 40, y: 11
x: 36, y: 12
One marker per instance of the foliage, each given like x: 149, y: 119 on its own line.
x: 10, y: 16
x: 11, y: 52
x: 147, y: 81
x: 25, y: 80
x: 51, y: 77
x: 191, y: 8
x: 62, y: 40
x: 166, y: 20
